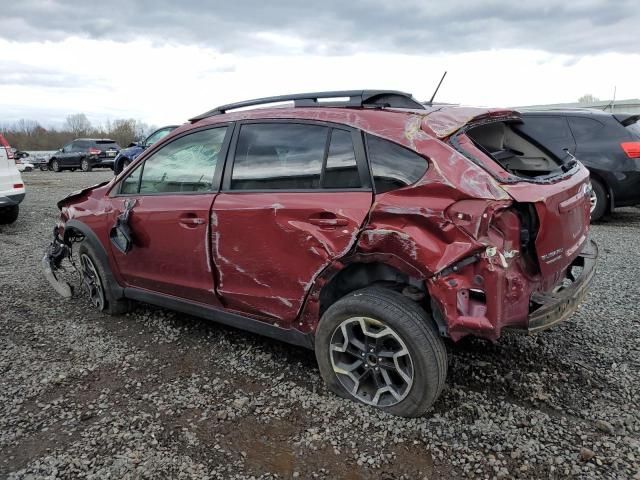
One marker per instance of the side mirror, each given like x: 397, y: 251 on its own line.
x: 134, y: 144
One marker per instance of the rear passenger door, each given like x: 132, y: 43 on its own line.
x: 294, y: 197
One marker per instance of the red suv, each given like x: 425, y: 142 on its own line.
x: 367, y: 227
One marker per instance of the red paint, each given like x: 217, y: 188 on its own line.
x: 171, y: 231
x: 269, y: 247
x: 269, y: 255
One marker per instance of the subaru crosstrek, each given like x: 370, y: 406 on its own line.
x: 364, y: 226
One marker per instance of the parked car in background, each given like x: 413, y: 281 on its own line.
x: 367, y: 229
x: 129, y: 154
x: 85, y: 154
x: 607, y: 144
x: 11, y: 186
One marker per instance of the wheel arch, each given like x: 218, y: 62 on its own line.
x: 342, y: 278
x: 75, y: 226
x: 600, y: 178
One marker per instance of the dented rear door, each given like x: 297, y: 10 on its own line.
x: 292, y: 202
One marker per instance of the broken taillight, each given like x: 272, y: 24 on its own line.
x: 632, y: 149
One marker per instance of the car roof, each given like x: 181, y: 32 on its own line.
x: 439, y: 121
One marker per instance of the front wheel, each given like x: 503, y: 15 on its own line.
x: 378, y: 347
x: 85, y: 166
x: 55, y: 166
x: 94, y: 285
x: 44, y: 167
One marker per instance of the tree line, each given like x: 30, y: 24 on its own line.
x: 30, y: 135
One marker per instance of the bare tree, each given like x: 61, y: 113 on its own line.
x: 588, y: 99
x: 78, y: 124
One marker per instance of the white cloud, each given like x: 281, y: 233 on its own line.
x: 168, y: 83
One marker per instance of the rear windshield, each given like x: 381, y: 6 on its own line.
x: 523, y: 149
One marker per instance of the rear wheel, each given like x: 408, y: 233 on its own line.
x: 85, y: 166
x: 44, y: 167
x: 598, y: 199
x: 55, y: 166
x: 94, y: 285
x: 9, y: 214
x: 378, y: 347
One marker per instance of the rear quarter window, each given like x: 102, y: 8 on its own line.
x: 634, y: 128
x: 585, y: 129
x: 392, y: 165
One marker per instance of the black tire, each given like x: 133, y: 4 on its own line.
x: 44, y: 167
x: 9, y: 214
x: 409, y: 322
x: 55, y: 166
x: 601, y: 200
x: 85, y: 166
x: 110, y: 304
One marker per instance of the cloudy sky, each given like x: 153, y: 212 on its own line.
x: 163, y: 62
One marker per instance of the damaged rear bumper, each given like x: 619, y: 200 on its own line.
x: 558, y: 306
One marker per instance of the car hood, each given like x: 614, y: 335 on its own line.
x: 78, y: 193
x: 129, y: 151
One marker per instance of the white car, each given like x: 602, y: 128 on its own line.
x: 11, y: 185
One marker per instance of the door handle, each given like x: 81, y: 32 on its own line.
x: 329, y: 222
x: 190, y: 220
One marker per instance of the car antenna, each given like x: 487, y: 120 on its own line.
x: 437, y: 88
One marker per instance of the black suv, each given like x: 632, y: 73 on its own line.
x: 85, y: 153
x: 607, y: 144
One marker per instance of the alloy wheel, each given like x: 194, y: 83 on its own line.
x: 371, y: 361
x: 91, y: 282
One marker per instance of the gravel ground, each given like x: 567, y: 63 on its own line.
x: 156, y: 394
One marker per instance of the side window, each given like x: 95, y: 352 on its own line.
x: 66, y: 148
x: 585, y: 129
x: 341, y: 170
x: 184, y: 165
x: 130, y: 184
x: 393, y: 166
x: 153, y: 138
x: 277, y: 156
x: 81, y: 146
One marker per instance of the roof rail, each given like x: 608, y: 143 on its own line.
x: 356, y: 98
